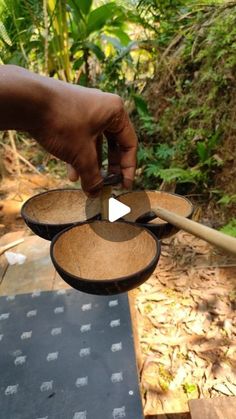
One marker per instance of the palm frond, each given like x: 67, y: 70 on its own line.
x: 4, y: 34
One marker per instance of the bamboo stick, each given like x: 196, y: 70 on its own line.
x: 225, y: 242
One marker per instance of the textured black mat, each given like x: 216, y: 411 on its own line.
x: 67, y: 355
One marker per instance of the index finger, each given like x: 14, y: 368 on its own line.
x: 122, y: 132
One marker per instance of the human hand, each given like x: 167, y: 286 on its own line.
x: 69, y: 122
x: 79, y: 118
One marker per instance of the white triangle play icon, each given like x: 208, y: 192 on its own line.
x: 116, y: 210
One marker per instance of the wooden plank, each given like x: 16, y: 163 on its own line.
x: 37, y: 273
x: 216, y: 408
x: 134, y: 320
x: 6, y: 239
x: 10, y: 237
x: 3, y: 267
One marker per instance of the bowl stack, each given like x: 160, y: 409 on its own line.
x: 100, y: 257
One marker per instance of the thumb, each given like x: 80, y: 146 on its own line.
x: 73, y: 174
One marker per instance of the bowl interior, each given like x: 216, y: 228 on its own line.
x: 141, y: 202
x: 104, y: 252
x: 61, y: 206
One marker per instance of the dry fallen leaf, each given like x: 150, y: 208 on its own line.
x: 189, y: 307
x: 178, y: 379
x: 150, y: 377
x: 153, y: 404
x: 221, y: 388
x: 231, y: 387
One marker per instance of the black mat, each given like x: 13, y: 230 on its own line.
x: 67, y: 355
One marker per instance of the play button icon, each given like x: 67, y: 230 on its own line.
x: 117, y: 210
x: 126, y: 207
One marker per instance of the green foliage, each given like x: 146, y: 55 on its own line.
x: 186, y: 47
x: 164, y: 378
x: 163, y: 17
x: 18, y: 39
x: 192, y: 97
x: 227, y: 199
x: 230, y: 228
x: 115, y: 69
x: 141, y: 105
x: 180, y: 175
x: 190, y: 389
x: 101, y: 16
x: 85, y: 6
x: 4, y: 35
x: 147, y: 124
x: 63, y: 38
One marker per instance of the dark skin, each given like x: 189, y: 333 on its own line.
x: 69, y: 121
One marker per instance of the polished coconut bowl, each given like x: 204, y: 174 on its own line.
x: 143, y: 202
x: 100, y: 257
x: 48, y: 213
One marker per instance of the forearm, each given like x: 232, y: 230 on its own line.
x: 25, y: 99
x: 30, y: 102
x: 67, y: 120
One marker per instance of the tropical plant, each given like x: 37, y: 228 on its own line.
x: 62, y: 37
x: 191, y: 95
x: 230, y: 228
x: 21, y: 34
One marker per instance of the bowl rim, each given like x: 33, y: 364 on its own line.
x: 69, y: 224
x: 164, y: 223
x: 40, y: 223
x: 152, y: 263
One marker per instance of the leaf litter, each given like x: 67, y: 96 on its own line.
x: 188, y: 332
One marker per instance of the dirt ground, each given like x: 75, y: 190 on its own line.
x: 185, y: 313
x: 14, y: 191
x: 186, y: 318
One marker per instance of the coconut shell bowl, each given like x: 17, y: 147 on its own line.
x: 48, y: 213
x: 99, y: 257
x: 143, y: 202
